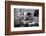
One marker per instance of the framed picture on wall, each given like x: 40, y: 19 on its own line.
x: 24, y: 17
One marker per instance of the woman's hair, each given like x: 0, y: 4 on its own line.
x: 29, y: 14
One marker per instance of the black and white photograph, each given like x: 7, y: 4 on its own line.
x: 26, y: 17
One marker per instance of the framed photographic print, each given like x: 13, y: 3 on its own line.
x: 24, y: 17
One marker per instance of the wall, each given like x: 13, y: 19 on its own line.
x: 2, y: 18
